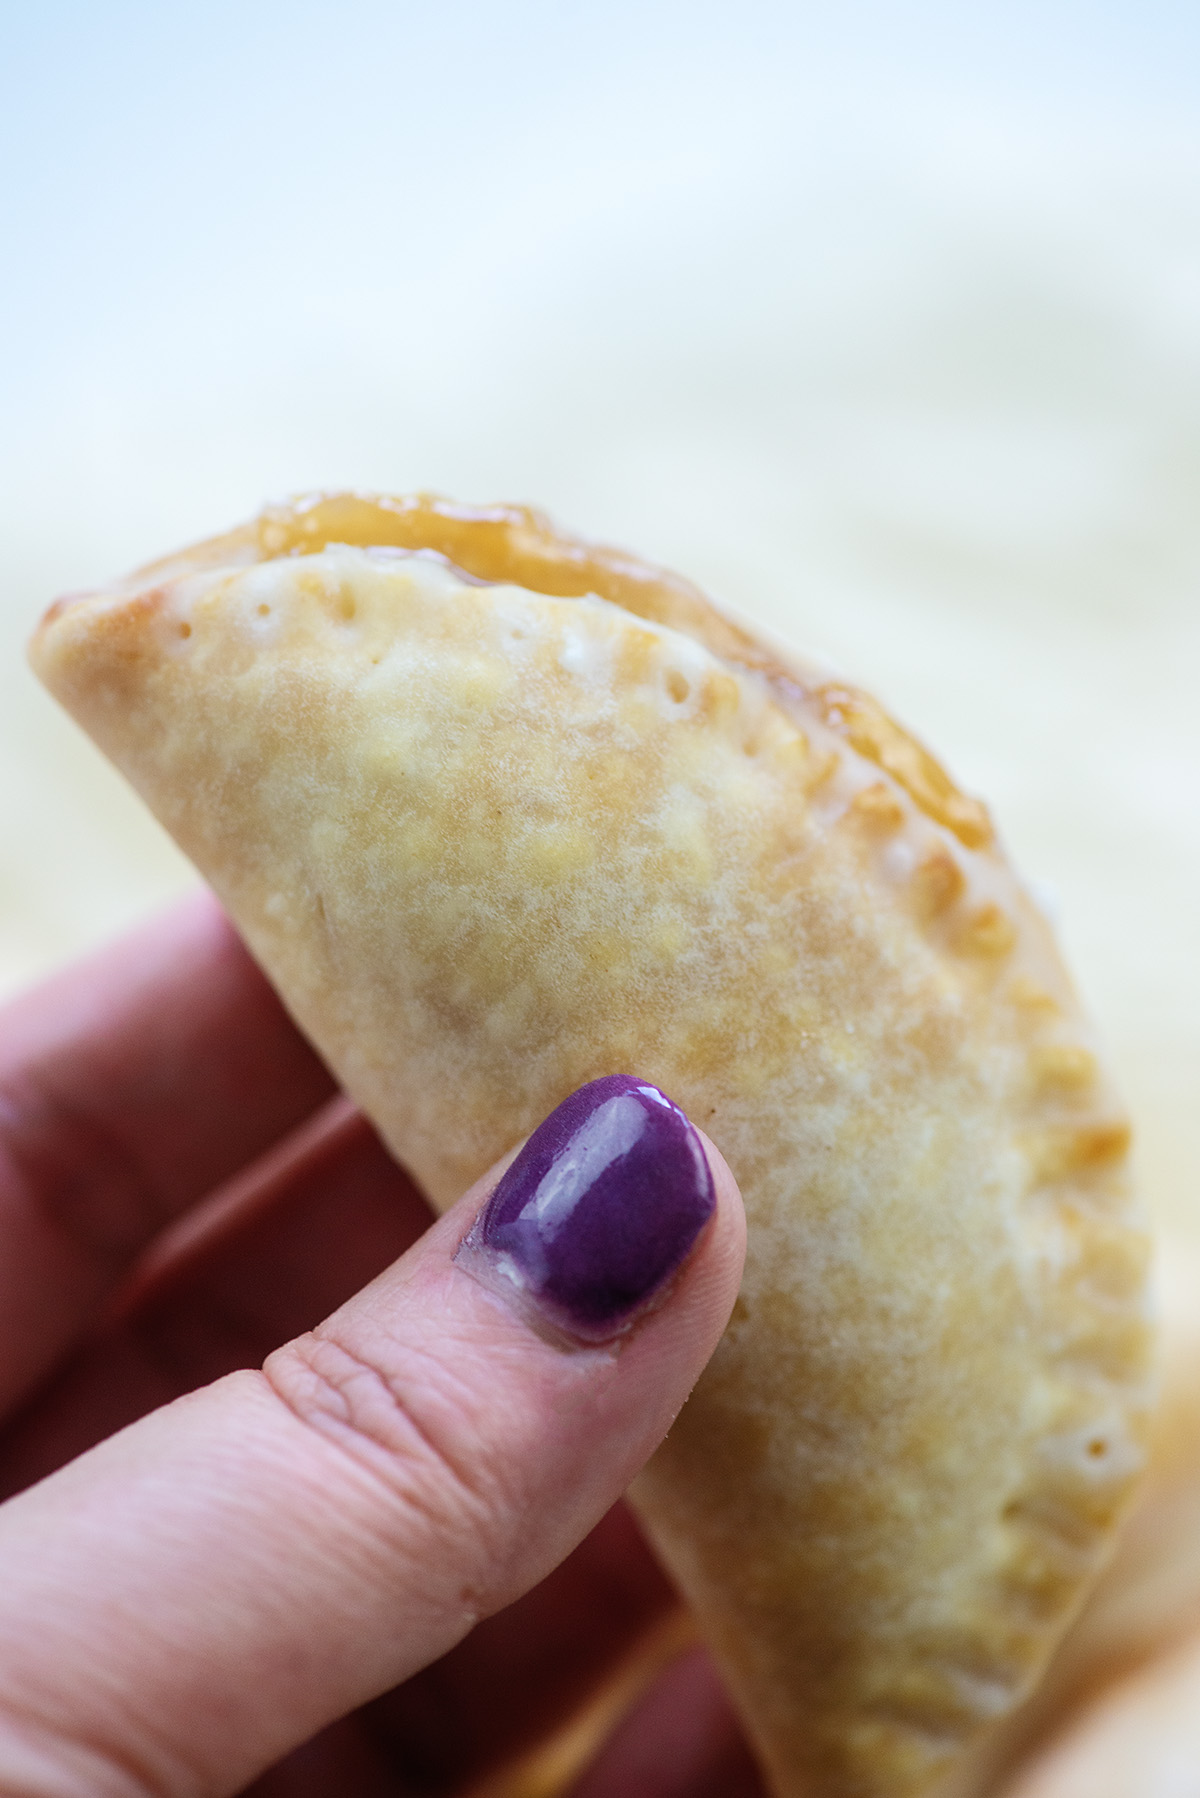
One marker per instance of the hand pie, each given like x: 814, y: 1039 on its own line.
x: 500, y: 813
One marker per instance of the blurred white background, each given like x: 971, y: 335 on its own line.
x: 882, y: 322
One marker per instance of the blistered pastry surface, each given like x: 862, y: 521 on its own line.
x: 491, y: 843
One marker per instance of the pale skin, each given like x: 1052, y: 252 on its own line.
x: 248, y: 1550
x: 268, y: 1548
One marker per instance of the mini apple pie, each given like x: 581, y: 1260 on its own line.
x: 499, y: 813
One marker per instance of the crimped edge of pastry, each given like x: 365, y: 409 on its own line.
x: 924, y: 837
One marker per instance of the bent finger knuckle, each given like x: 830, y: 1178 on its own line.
x: 413, y: 1426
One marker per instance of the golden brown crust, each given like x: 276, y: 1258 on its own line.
x: 1145, y: 1609
x: 515, y: 544
x: 489, y: 842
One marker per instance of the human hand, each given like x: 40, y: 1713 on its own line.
x: 198, y: 1594
x: 129, y: 1090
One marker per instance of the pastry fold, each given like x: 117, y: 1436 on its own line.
x: 500, y: 813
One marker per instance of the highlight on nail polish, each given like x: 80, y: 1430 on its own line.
x: 598, y: 1211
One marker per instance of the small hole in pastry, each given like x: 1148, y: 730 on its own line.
x: 263, y: 609
x: 677, y: 686
x: 347, y: 608
x: 185, y: 630
x: 1097, y: 1447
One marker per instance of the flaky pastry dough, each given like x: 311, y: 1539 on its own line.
x: 500, y: 813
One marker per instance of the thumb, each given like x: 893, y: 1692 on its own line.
x: 194, y: 1597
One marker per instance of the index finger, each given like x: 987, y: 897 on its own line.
x: 130, y: 1086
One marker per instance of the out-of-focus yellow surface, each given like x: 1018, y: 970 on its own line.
x: 901, y: 359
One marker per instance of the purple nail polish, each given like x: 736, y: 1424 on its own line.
x: 598, y: 1210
